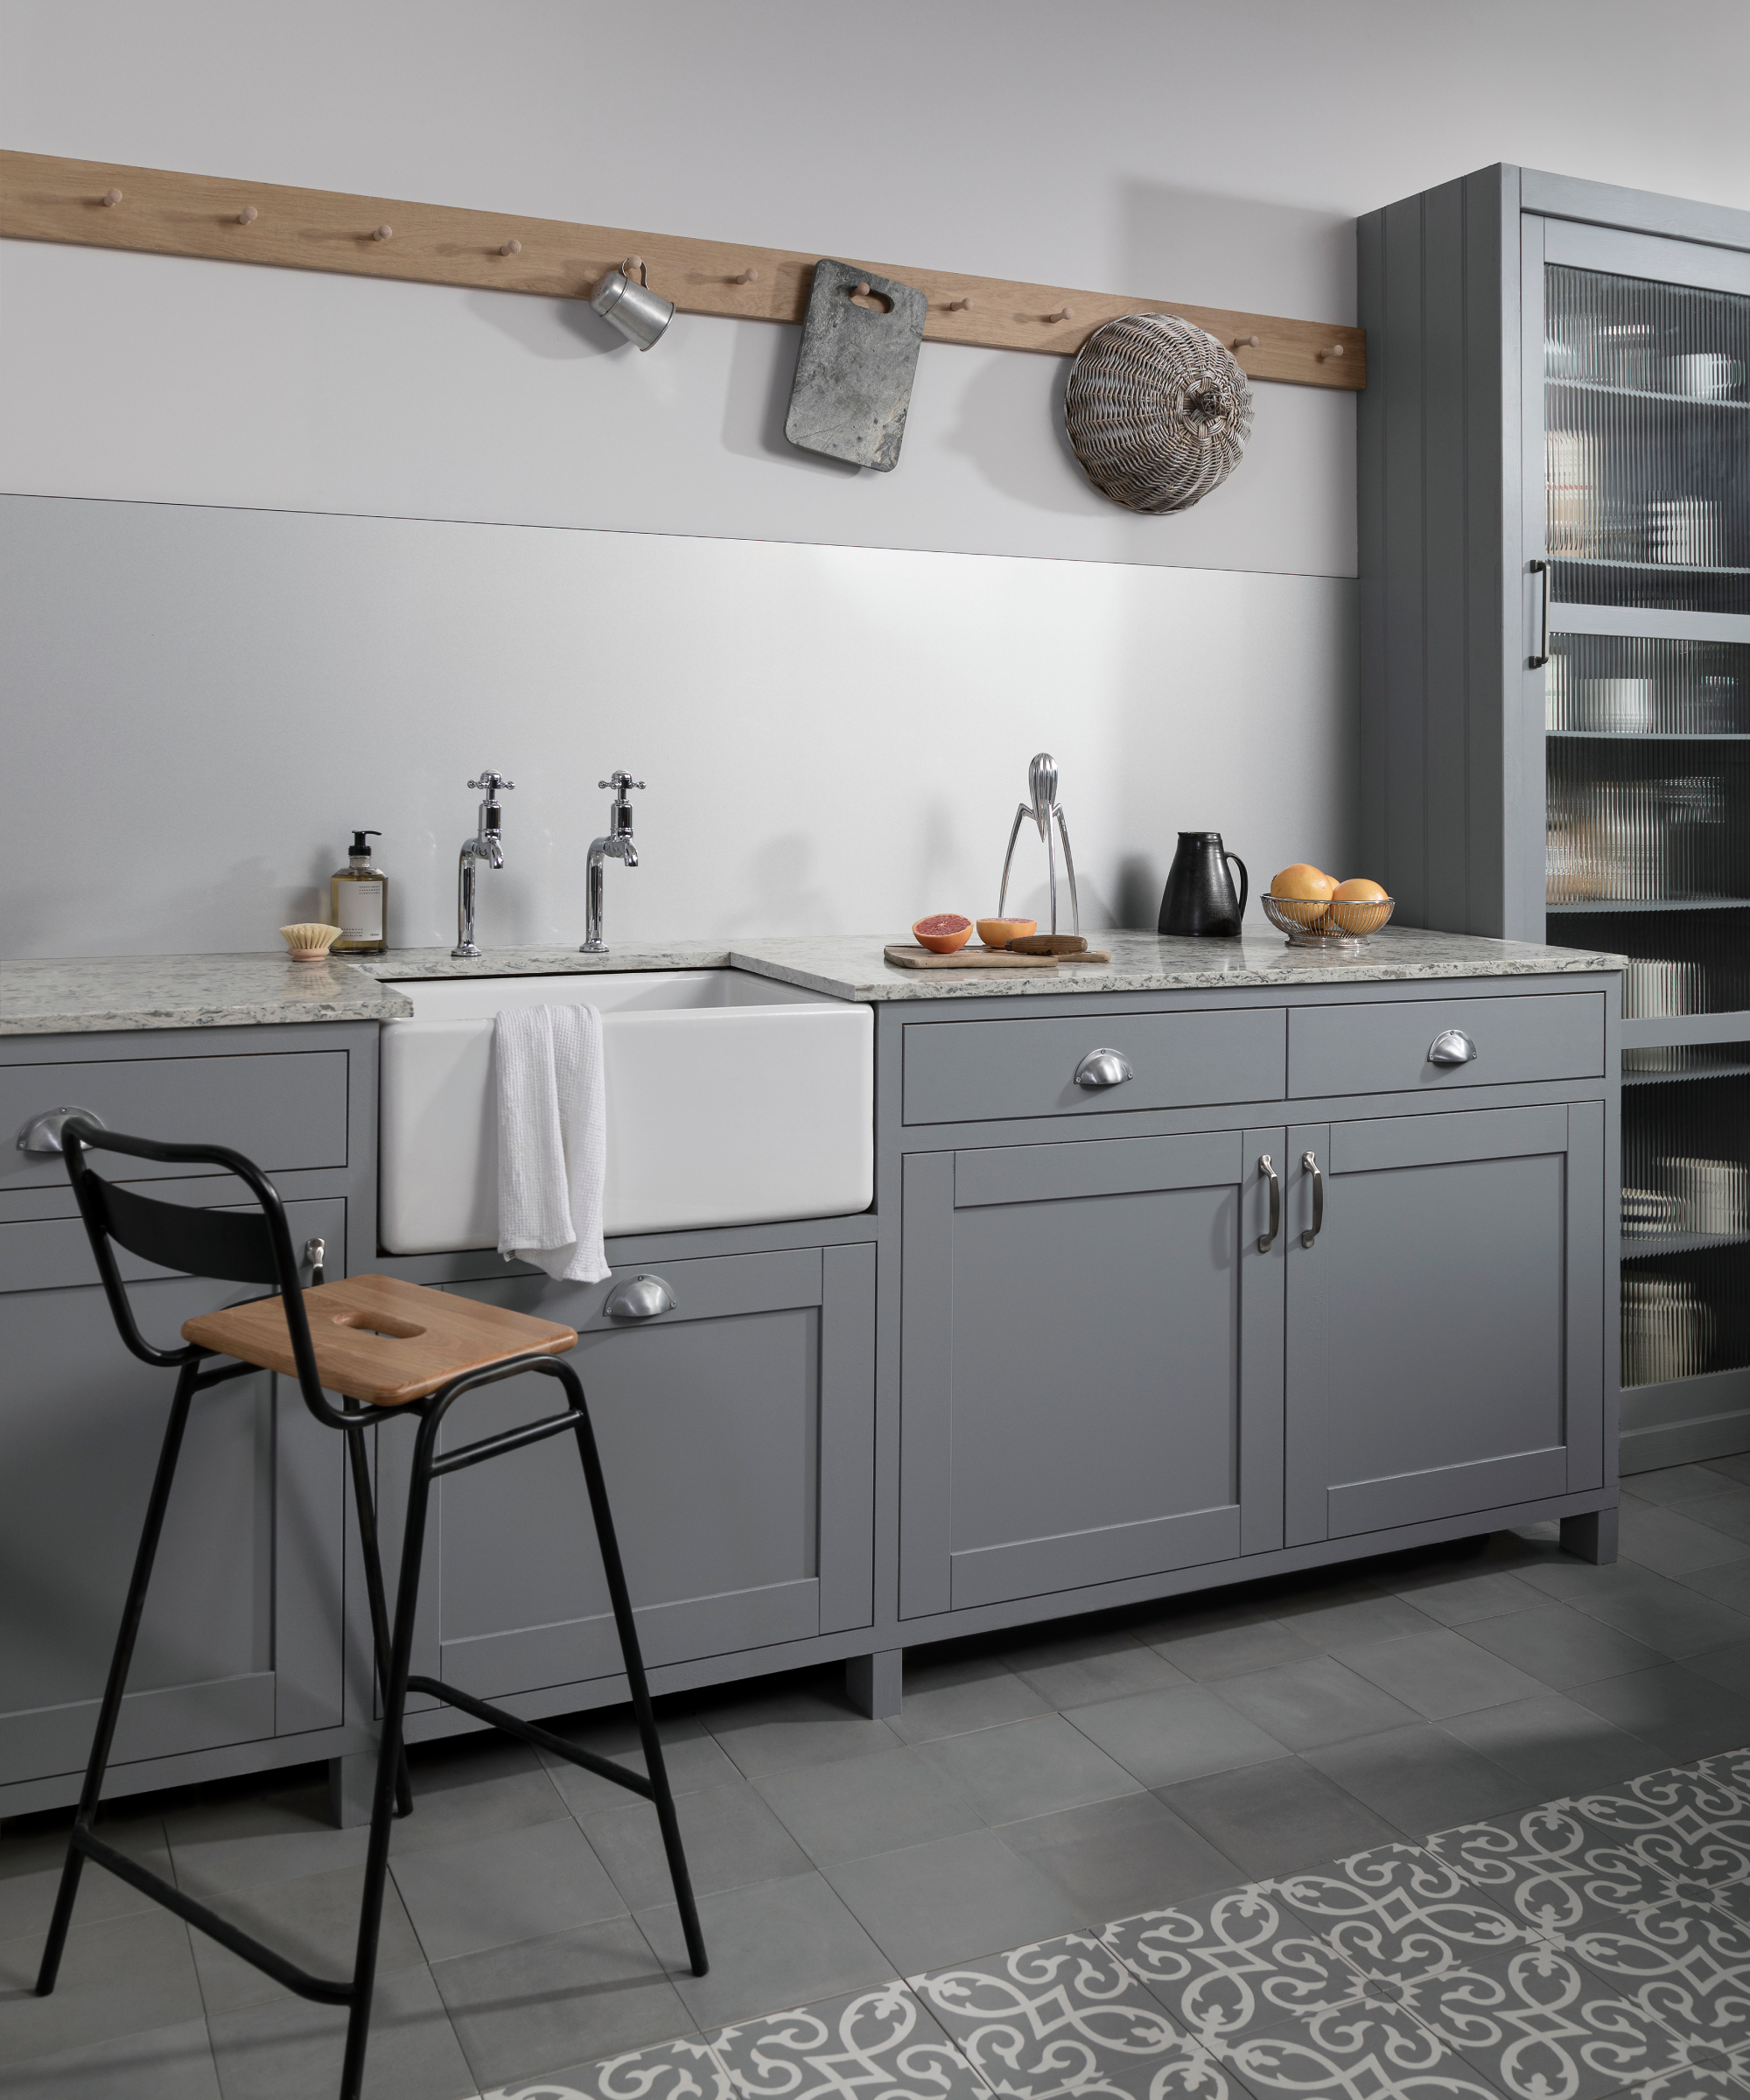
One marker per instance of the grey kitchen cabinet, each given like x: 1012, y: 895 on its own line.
x: 736, y: 1435
x: 1554, y: 486
x: 1446, y: 1325
x: 1092, y: 1363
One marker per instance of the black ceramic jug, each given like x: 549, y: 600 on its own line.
x: 1199, y: 892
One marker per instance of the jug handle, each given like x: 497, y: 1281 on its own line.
x: 1245, y: 882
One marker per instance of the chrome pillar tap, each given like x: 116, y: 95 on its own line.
x: 485, y: 845
x: 616, y: 844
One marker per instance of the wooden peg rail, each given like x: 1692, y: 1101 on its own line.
x: 94, y: 204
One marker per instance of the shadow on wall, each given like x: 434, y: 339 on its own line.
x: 762, y: 368
x: 1213, y: 250
x: 564, y: 329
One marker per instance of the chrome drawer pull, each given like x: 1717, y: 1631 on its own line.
x: 1267, y: 1168
x: 1103, y: 1068
x: 40, y: 1135
x: 1452, y: 1046
x: 1310, y: 1163
x: 638, y: 1298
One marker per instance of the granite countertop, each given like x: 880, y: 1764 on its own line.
x: 86, y: 995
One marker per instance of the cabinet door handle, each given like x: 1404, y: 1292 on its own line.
x: 638, y: 1298
x: 1310, y: 1162
x: 1266, y: 1167
x: 1452, y: 1046
x: 40, y: 1135
x: 1103, y: 1068
x: 1541, y: 570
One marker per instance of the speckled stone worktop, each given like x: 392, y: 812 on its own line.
x: 85, y: 995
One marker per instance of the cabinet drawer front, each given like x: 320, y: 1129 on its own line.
x: 984, y: 1071
x: 283, y: 1109
x: 1384, y: 1049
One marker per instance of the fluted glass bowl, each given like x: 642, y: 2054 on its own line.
x: 1338, y: 928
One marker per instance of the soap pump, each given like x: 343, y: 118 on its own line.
x: 359, y: 897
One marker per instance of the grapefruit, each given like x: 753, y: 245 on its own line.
x: 1359, y: 889
x: 943, y: 932
x: 997, y: 933
x: 1302, y: 879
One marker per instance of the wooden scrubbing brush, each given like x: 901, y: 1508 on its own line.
x: 309, y: 940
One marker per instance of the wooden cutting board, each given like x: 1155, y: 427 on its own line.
x: 909, y: 957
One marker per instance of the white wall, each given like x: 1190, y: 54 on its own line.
x: 1212, y: 156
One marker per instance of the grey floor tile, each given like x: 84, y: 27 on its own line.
x: 1113, y: 1855
x: 1272, y: 1818
x: 30, y: 1863
x: 1440, y: 1673
x: 116, y: 1975
x: 1399, y: 1912
x: 498, y: 1786
x: 515, y: 1884
x: 1370, y: 2047
x: 1729, y: 1585
x: 1307, y: 1704
x: 1671, y: 1616
x: 683, y: 2069
x: 1567, y: 1579
x: 1233, y: 1964
x: 880, y: 2045
x: 277, y: 1833
x: 1729, y: 1512
x: 805, y: 1724
x: 292, y: 2050
x: 1066, y: 2018
x: 1737, y: 1467
x: 1087, y: 1668
x: 730, y: 1836
x: 1676, y: 1484
x: 1535, y: 2022
x: 1163, y: 1737
x: 520, y: 2011
x: 952, y: 1899
x: 1687, y: 1716
x: 1672, y: 1543
x: 1372, y: 1617
x: 792, y: 1940
x: 858, y: 1805
x: 162, y: 2063
x: 313, y: 1922
x: 1729, y: 1667
x: 1463, y: 1599
x: 1420, y: 1778
x: 1029, y: 1768
x: 1561, y: 1647
x: 691, y: 1756
x: 1204, y: 1612
x: 1551, y: 1869
x: 1555, y: 1745
x: 1236, y: 1651
x: 958, y: 1692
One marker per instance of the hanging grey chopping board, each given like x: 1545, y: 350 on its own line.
x: 853, y: 380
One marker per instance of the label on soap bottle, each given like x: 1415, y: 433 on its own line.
x: 361, y: 910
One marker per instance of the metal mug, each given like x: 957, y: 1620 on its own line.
x: 639, y: 314
x: 1199, y: 892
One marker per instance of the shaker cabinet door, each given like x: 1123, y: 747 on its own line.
x: 737, y: 1436
x: 1091, y: 1365
x: 1445, y: 1326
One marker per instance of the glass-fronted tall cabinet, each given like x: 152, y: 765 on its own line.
x: 1554, y: 506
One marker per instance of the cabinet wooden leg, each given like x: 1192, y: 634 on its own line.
x: 351, y: 1783
x: 871, y: 1682
x: 1591, y: 1536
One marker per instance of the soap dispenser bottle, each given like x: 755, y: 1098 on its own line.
x: 357, y: 897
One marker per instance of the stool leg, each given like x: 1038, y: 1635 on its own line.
x: 390, y: 1762
x: 374, y: 1591
x: 621, y: 1600
x: 110, y: 1711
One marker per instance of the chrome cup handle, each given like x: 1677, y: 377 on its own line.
x: 1103, y: 1068
x: 638, y: 1298
x: 1267, y: 1167
x: 1309, y: 1162
x: 1452, y: 1046
x: 40, y: 1135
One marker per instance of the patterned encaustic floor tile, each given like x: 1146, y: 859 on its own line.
x: 1370, y: 2049
x: 672, y: 2070
x: 1688, y: 1965
x: 1066, y: 2017
x: 1400, y: 1911
x: 872, y: 2044
x: 1233, y: 1964
x: 1554, y: 1873
x: 1687, y: 1826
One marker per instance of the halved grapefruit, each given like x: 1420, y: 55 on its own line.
x: 943, y: 932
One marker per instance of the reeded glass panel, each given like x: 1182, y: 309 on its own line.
x: 1683, y: 1314
x: 1686, y: 1175
x: 1646, y: 821
x: 1678, y: 961
x: 1646, y: 429
x: 1628, y: 685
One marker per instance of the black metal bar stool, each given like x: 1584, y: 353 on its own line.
x: 392, y: 1349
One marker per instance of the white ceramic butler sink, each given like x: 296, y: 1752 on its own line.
x: 731, y: 1099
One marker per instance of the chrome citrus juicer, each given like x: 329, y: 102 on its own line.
x: 1044, y: 808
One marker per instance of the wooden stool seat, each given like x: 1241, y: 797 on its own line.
x: 379, y: 1340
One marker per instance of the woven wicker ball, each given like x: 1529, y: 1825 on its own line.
x: 1158, y: 411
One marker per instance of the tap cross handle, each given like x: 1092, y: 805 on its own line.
x: 621, y: 781
x: 489, y: 783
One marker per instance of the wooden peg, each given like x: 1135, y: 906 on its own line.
x: 384, y: 233
x: 1336, y: 350
x: 860, y: 290
x: 112, y: 196
x: 748, y: 276
x: 635, y: 262
x: 1245, y: 342
x: 248, y: 215
x: 511, y: 247
x: 960, y: 305
x: 1063, y: 313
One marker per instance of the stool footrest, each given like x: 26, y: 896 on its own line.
x: 528, y: 1731
x: 323, y: 1989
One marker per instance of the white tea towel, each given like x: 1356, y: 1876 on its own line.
x: 552, y: 1139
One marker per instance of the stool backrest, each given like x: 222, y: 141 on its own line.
x: 232, y: 1246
